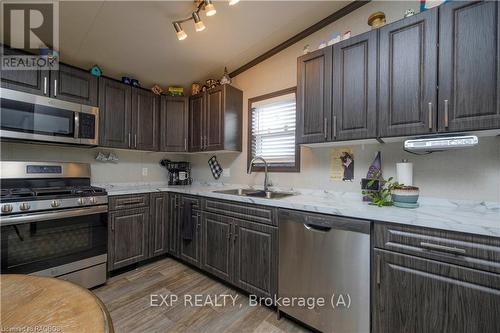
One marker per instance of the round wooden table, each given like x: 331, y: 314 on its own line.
x: 43, y: 304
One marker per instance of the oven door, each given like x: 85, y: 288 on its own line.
x: 45, y: 241
x: 26, y: 116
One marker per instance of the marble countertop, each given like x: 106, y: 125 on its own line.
x: 463, y: 216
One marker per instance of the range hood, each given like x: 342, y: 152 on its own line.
x: 440, y: 143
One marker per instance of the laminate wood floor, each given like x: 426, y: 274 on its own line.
x: 128, y: 296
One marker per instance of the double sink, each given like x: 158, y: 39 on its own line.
x: 242, y: 192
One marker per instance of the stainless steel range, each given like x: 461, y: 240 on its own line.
x: 53, y: 222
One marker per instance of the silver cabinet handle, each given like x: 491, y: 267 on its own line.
x: 55, y: 88
x: 201, y: 142
x: 325, y: 127
x: 206, y: 142
x: 135, y: 140
x: 430, y: 116
x: 446, y: 120
x: 129, y: 139
x: 334, y: 127
x: 443, y: 248
x: 378, y: 270
x: 45, y: 85
x: 185, y: 144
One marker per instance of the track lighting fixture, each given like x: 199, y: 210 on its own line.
x: 181, y: 35
x: 208, y: 7
x: 198, y: 23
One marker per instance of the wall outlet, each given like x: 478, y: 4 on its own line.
x: 144, y: 172
x: 226, y: 173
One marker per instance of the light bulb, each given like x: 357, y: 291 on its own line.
x: 209, y: 8
x: 199, y: 26
x: 181, y: 35
x: 233, y: 2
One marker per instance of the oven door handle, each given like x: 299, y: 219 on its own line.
x: 38, y: 217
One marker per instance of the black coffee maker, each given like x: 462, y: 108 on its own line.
x: 179, y: 173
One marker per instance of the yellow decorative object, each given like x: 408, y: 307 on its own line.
x: 376, y: 20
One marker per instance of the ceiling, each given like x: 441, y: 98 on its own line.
x: 137, y: 39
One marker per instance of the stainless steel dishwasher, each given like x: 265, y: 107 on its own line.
x: 325, y: 257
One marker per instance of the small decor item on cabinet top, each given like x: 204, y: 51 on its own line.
x: 215, y: 167
x: 335, y: 38
x: 322, y: 45
x: 226, y: 79
x: 135, y: 83
x: 409, y: 12
x: 376, y: 20
x: 346, y: 35
x: 125, y: 80
x: 175, y: 91
x: 306, y: 49
x: 195, y: 88
x: 211, y: 83
x: 51, y: 55
x: 96, y: 71
x: 204, y: 87
x: 428, y: 4
x: 156, y: 89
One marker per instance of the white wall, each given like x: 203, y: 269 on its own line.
x: 464, y: 174
x: 128, y: 169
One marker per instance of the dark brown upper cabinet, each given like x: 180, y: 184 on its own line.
x: 68, y: 83
x: 196, y: 121
x: 314, y: 108
x: 145, y: 120
x: 469, y: 77
x: 354, y: 95
x: 115, y: 114
x: 73, y: 85
x: 174, y: 124
x: 408, y: 76
x: 216, y: 119
x: 31, y: 81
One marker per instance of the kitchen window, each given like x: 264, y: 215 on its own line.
x: 271, y: 131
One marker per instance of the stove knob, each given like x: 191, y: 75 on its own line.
x: 81, y: 201
x: 92, y: 200
x: 24, y: 206
x: 55, y: 203
x: 7, y: 208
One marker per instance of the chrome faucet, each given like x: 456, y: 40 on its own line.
x: 249, y: 171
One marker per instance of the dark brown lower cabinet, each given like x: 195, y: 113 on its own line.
x: 128, y: 239
x: 217, y: 245
x: 189, y: 249
x: 158, y: 226
x: 173, y: 223
x: 413, y: 294
x: 255, y: 257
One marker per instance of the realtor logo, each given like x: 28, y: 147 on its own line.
x: 33, y: 28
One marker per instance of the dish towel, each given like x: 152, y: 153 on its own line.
x: 215, y: 167
x: 187, y: 221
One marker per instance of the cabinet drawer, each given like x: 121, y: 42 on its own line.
x: 474, y: 251
x: 193, y: 201
x: 128, y: 201
x: 240, y: 210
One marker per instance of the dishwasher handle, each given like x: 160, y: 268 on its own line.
x: 317, y: 228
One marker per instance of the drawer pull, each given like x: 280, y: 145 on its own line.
x: 443, y: 248
x: 131, y: 202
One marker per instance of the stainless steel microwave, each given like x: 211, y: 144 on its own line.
x: 25, y: 116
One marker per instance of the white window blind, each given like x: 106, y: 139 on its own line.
x: 273, y: 130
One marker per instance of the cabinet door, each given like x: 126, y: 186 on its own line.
x: 407, y: 76
x: 173, y: 124
x: 173, y: 223
x: 145, y: 120
x: 216, y: 245
x: 189, y: 249
x: 196, y: 121
x: 115, y: 112
x: 73, y: 85
x: 214, y: 119
x: 314, y: 109
x: 355, y: 88
x: 158, y: 224
x: 255, y: 258
x: 128, y: 237
x: 469, y: 66
x: 30, y: 81
x: 420, y: 295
